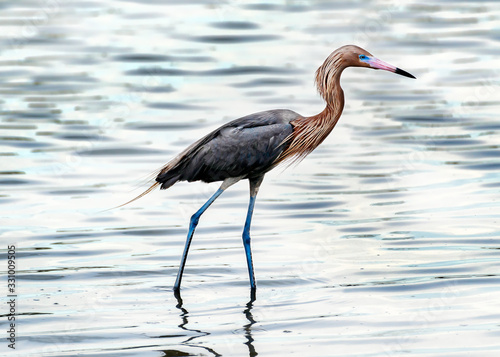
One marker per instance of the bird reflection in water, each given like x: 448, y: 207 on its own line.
x: 247, y: 327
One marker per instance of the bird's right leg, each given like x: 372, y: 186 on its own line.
x: 194, y: 222
x: 254, y: 189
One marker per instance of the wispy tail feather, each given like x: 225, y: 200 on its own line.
x: 151, y: 188
x: 164, y: 183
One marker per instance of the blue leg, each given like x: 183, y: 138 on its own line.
x: 192, y: 226
x: 254, y: 188
x: 246, y: 241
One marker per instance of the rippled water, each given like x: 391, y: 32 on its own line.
x: 384, y: 241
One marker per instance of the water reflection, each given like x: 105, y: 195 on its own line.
x: 184, y: 315
x: 248, y: 327
x: 198, y: 333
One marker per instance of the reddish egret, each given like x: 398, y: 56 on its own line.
x: 248, y: 147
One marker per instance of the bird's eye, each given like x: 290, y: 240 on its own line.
x: 363, y: 57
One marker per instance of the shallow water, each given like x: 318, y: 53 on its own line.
x: 384, y: 241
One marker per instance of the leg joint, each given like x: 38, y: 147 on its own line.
x: 195, y: 218
x: 246, y: 238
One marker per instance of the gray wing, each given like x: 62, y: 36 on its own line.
x: 244, y: 147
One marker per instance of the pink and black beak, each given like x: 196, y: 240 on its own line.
x: 378, y: 64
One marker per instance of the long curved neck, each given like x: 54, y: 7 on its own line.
x: 309, y: 132
x: 328, y: 79
x: 328, y: 84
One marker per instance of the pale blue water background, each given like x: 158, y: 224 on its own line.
x: 383, y: 242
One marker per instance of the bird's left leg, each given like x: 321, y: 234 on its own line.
x: 254, y: 189
x: 194, y: 222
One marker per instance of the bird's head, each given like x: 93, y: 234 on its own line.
x: 354, y: 56
x: 328, y: 74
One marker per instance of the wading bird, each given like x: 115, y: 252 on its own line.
x: 248, y: 147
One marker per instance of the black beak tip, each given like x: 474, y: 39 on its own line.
x: 404, y: 73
